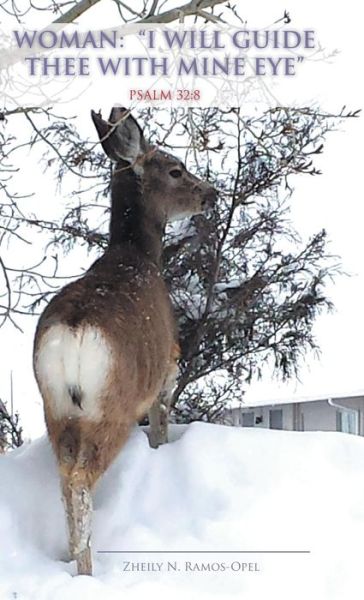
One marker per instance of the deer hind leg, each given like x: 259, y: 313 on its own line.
x: 85, y: 450
x: 78, y: 504
x: 76, y: 492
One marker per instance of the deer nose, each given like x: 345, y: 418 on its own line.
x: 209, y: 199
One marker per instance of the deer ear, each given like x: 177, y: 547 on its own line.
x: 121, y: 136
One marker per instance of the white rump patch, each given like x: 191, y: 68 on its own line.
x: 78, y: 359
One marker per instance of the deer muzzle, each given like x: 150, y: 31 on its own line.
x: 209, y: 199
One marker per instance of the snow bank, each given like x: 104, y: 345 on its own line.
x: 215, y: 488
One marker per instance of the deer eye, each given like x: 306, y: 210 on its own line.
x: 175, y: 173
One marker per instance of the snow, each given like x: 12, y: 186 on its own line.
x: 214, y: 488
x: 180, y: 229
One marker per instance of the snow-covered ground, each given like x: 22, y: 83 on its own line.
x: 216, y: 488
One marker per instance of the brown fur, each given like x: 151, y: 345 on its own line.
x: 129, y: 303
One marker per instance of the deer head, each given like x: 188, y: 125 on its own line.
x: 165, y: 181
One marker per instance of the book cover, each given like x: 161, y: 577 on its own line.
x: 181, y: 396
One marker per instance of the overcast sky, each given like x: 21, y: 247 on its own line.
x: 333, y: 201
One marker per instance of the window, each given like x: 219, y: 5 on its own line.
x: 248, y: 419
x: 276, y: 418
x: 347, y: 421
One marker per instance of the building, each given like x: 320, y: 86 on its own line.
x: 324, y: 413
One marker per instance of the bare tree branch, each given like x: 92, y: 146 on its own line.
x: 76, y: 11
x: 10, y: 429
x: 191, y: 8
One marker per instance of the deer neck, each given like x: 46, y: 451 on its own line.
x: 133, y: 222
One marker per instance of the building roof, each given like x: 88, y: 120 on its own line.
x: 302, y: 399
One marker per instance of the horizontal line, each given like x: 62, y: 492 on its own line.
x: 204, y: 551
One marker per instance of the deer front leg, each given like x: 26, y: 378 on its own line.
x: 165, y: 400
x: 154, y: 424
x: 158, y: 419
x: 159, y: 412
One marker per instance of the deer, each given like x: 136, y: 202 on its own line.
x: 106, y: 345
